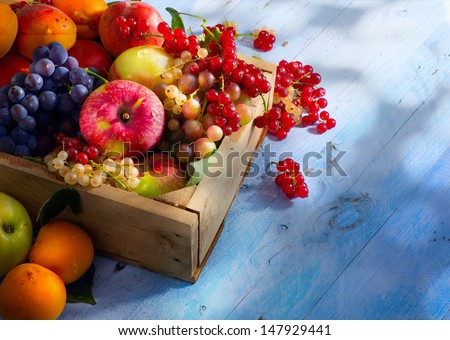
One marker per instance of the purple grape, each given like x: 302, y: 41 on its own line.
x: 61, y: 75
x: 42, y: 118
x: 7, y: 144
x: 18, y: 79
x: 4, y: 100
x: 3, y: 131
x: 19, y: 135
x: 31, y: 103
x: 21, y: 150
x: 34, y: 82
x: 48, y: 100
x: 58, y: 55
x: 53, y: 44
x: 45, y: 67
x: 40, y: 52
x: 49, y: 85
x: 28, y: 123
x: 79, y: 76
x: 32, y: 68
x: 79, y: 93
x: 18, y: 112
x: 32, y: 143
x: 5, y: 116
x: 71, y: 63
x: 16, y: 94
x: 65, y: 102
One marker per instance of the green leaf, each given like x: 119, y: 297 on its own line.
x: 177, y: 22
x: 80, y: 291
x: 57, y: 203
x: 198, y: 169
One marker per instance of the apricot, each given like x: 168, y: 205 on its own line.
x: 32, y: 292
x: 63, y: 248
x: 85, y: 13
x: 42, y: 24
x: 8, y: 28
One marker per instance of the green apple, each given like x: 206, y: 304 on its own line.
x: 141, y: 64
x: 161, y: 174
x: 16, y: 233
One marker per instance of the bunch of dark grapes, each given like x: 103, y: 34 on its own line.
x: 46, y: 101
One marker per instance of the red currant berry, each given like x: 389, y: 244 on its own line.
x: 321, y: 128
x: 331, y: 123
x: 302, y: 191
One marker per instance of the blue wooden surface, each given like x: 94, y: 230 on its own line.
x: 371, y: 244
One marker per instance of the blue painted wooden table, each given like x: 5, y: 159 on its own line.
x: 372, y: 241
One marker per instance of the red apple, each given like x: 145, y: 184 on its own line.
x: 122, y: 117
x: 139, y: 26
x: 161, y: 175
x: 91, y: 54
x: 11, y: 64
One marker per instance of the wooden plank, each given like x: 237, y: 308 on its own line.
x: 406, y: 266
x: 215, y: 193
x: 150, y: 234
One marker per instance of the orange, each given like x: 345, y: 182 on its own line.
x: 32, y: 292
x: 8, y: 28
x: 64, y: 248
x: 42, y: 24
x: 86, y: 15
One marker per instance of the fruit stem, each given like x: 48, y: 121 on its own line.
x: 98, y: 166
x: 264, y: 102
x: 9, y: 229
x: 96, y: 75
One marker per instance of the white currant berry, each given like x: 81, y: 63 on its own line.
x: 84, y: 180
x: 63, y: 155
x: 58, y: 163
x: 133, y: 182
x: 70, y: 178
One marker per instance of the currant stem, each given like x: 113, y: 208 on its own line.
x: 101, y: 167
x: 96, y: 75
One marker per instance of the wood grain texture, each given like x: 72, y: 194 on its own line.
x: 371, y: 241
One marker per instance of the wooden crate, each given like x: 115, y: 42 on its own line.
x: 172, y: 234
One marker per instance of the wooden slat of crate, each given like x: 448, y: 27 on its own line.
x: 123, y: 225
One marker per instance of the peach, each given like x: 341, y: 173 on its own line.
x: 42, y: 24
x: 91, y: 54
x: 115, y: 39
x: 32, y: 292
x: 64, y: 248
x: 11, y: 64
x: 8, y: 28
x: 86, y: 15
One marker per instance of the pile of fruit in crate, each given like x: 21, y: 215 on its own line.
x: 91, y: 88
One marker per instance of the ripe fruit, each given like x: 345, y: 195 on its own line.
x: 127, y: 24
x: 91, y: 54
x: 8, y: 28
x: 32, y: 292
x: 291, y: 179
x: 161, y: 174
x: 142, y: 64
x: 122, y: 117
x: 16, y: 233
x: 86, y: 15
x: 42, y: 24
x: 63, y: 248
x: 11, y: 64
